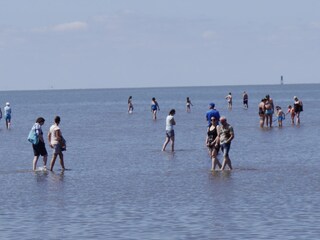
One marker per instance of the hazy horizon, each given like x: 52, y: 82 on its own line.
x: 79, y: 44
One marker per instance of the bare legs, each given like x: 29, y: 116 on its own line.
x: 154, y: 114
x: 166, y: 143
x: 53, y: 160
x: 35, y: 160
x: 8, y: 124
x: 215, y: 160
x: 262, y: 119
x: 268, y: 120
x: 298, y: 117
x: 226, y: 160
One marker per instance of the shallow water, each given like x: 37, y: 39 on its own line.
x: 119, y: 185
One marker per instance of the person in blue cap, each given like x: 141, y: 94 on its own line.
x: 212, y: 113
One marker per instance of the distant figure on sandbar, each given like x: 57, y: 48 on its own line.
x: 130, y: 105
x: 261, y: 112
x: 269, y: 110
x: 245, y: 100
x: 188, y: 105
x: 298, y: 108
x: 39, y: 148
x: 212, y: 113
x: 7, y: 115
x: 154, y: 108
x: 57, y: 143
x: 280, y: 115
x: 226, y: 135
x: 212, y: 142
x: 229, y: 100
x: 170, y: 122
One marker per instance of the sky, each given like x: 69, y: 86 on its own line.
x: 79, y: 44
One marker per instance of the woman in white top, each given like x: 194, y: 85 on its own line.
x: 7, y: 115
x: 169, y: 130
x: 56, y: 142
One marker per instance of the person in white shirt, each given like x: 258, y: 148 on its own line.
x: 39, y: 148
x: 7, y: 115
x: 56, y: 142
x: 169, y: 130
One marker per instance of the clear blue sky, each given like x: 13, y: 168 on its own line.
x: 149, y: 43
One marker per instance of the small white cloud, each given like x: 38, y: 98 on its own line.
x: 315, y: 25
x: 64, y: 27
x: 209, y: 35
x: 72, y: 26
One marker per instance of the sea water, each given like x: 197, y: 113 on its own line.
x: 120, y: 185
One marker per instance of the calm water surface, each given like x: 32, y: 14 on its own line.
x: 119, y: 185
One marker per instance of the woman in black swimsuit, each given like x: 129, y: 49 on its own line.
x: 298, y: 107
x: 212, y: 142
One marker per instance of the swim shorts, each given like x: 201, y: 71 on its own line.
x: 170, y: 133
x: 39, y: 149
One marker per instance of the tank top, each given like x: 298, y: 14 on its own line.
x: 212, y: 134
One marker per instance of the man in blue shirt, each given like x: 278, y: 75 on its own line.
x: 212, y: 112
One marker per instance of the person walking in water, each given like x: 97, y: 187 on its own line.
x: 7, y: 115
x: 130, y: 105
x: 154, y: 108
x: 170, y: 122
x: 226, y: 135
x: 188, y: 105
x: 56, y: 143
x: 229, y: 100
x: 245, y: 100
x: 39, y: 148
x: 212, y: 142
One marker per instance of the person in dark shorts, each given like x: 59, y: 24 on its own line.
x: 40, y: 148
x: 245, y: 100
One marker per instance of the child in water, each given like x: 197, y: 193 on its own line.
x: 280, y: 115
x: 292, y: 113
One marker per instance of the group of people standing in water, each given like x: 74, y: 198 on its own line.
x: 219, y: 132
x: 267, y: 109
